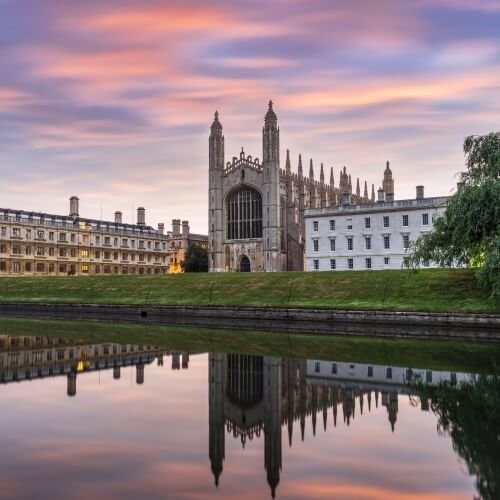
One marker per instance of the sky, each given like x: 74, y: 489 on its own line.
x: 112, y: 101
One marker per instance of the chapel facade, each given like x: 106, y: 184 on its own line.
x: 256, y: 208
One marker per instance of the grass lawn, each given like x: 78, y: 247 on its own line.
x: 438, y: 290
x: 466, y: 357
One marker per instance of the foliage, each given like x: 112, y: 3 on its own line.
x: 468, y: 234
x: 196, y: 260
x: 470, y: 414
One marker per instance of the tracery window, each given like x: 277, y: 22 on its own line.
x: 244, y: 214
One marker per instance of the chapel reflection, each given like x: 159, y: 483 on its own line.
x: 254, y: 395
x: 25, y: 358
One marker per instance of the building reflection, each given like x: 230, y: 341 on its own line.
x: 27, y: 358
x: 251, y: 396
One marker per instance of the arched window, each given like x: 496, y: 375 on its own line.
x: 244, y: 214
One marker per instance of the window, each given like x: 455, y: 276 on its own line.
x: 316, y: 264
x: 315, y: 225
x: 386, y: 261
x: 28, y: 250
x: 107, y: 240
x: 406, y: 241
x: 97, y: 254
x: 16, y: 250
x: 115, y: 242
x: 370, y: 371
x: 349, y: 224
x: 84, y: 254
x: 333, y: 264
x: 3, y: 266
x: 51, y: 268
x: 28, y: 233
x: 115, y: 255
x: 62, y: 268
x: 124, y: 242
x: 350, y: 263
x: 332, y: 225
x: 387, y: 242
x: 386, y: 221
x: 62, y: 252
x: 368, y: 223
x: 332, y: 245
x: 317, y: 366
x: 62, y: 236
x: 73, y: 237
x: 85, y: 238
x: 51, y: 236
x: 315, y: 245
x: 85, y: 268
x: 334, y: 368
x: 40, y: 235
x: 27, y: 267
x: 3, y: 249
x: 51, y: 251
x: 425, y: 219
x: 349, y: 244
x: 244, y: 214
x: 72, y: 252
x: 368, y: 262
x: 40, y: 267
x: 405, y: 220
x: 40, y: 251
x: 388, y: 372
x: 368, y: 243
x: 97, y: 240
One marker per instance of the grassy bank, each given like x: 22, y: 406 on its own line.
x: 437, y: 290
x: 437, y: 355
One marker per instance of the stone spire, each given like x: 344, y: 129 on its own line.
x: 301, y: 173
x: 373, y: 193
x: 216, y: 125
x: 322, y: 175
x: 388, y: 182
x: 358, y: 190
x: 311, y: 170
x: 365, y: 194
x: 332, y: 180
x: 287, y: 165
x: 349, y: 185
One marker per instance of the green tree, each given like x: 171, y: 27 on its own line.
x: 196, y: 260
x: 468, y: 234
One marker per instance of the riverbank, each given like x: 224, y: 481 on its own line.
x: 429, y: 290
x: 470, y: 357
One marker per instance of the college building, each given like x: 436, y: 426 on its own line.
x: 356, y: 236
x: 34, y: 243
x: 256, y: 208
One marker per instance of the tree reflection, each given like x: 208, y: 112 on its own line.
x: 470, y: 414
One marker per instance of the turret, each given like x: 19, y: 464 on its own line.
x: 271, y: 191
x: 215, y: 195
x: 141, y: 216
x: 388, y: 183
x: 299, y: 169
x: 365, y: 194
x: 288, y: 166
x: 311, y: 170
x: 332, y: 180
x: 322, y: 175
x: 358, y: 190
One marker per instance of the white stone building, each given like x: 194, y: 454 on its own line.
x: 369, y: 235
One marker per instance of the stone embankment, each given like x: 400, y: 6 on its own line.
x: 420, y: 325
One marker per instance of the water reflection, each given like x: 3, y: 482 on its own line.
x: 250, y: 397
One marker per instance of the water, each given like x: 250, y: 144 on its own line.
x: 87, y: 419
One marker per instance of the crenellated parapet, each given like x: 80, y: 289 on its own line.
x: 243, y: 162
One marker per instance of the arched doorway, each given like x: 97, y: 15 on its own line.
x: 245, y: 264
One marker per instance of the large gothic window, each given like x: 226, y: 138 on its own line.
x: 244, y: 214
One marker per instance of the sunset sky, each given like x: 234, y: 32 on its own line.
x: 112, y: 100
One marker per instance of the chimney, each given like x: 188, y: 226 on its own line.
x: 381, y: 195
x: 141, y: 216
x: 118, y: 217
x: 73, y: 206
x: 185, y: 228
x: 420, y: 192
x: 176, y: 227
x: 161, y: 228
x: 346, y: 199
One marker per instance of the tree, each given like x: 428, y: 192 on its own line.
x: 468, y: 234
x: 196, y: 260
x: 470, y: 414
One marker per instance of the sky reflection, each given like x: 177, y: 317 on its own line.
x: 120, y: 438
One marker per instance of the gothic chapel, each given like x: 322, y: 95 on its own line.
x: 256, y: 209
